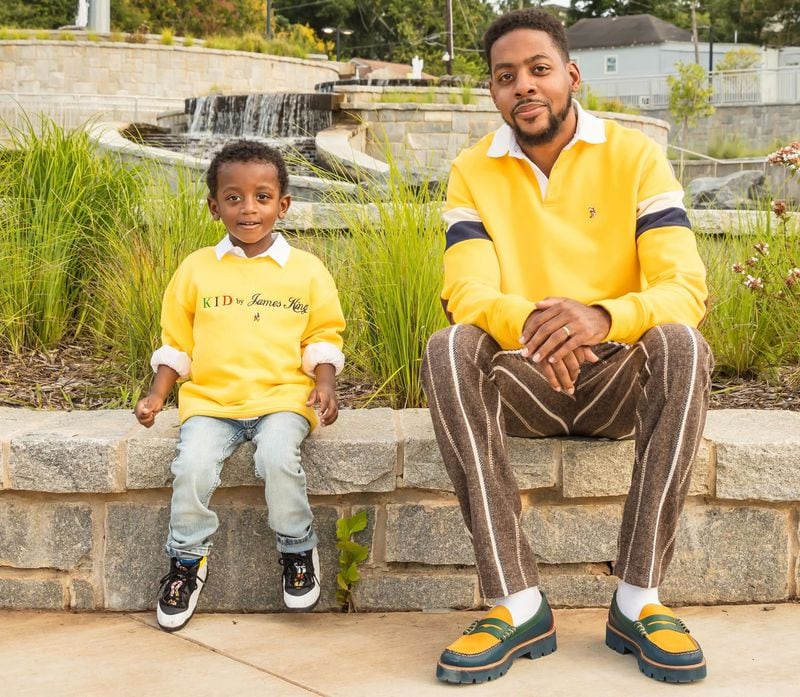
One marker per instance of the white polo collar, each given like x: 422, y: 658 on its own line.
x: 278, y: 250
x: 590, y: 129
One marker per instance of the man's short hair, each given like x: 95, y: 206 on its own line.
x: 526, y: 19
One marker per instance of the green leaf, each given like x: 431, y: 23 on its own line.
x: 358, y: 522
x: 341, y: 582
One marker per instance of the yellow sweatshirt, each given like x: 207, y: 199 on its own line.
x: 245, y: 325
x: 611, y: 230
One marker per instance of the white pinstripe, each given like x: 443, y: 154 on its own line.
x: 533, y: 397
x: 473, y: 444
x: 605, y: 387
x: 676, y: 451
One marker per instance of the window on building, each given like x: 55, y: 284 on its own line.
x: 611, y: 64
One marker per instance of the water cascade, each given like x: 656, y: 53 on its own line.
x: 266, y: 115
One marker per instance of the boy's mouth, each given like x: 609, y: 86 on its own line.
x: 249, y: 223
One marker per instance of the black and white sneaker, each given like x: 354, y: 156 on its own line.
x: 180, y: 589
x: 300, y: 580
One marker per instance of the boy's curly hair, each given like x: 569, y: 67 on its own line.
x: 526, y: 19
x: 247, y: 151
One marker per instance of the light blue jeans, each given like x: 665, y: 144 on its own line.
x: 204, y: 444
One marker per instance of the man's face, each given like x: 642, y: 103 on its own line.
x: 532, y: 85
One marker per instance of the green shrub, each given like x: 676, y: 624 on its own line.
x: 754, y: 305
x: 167, y: 37
x: 57, y: 195
x: 388, y: 269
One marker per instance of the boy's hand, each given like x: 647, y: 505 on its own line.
x: 147, y: 408
x: 324, y: 394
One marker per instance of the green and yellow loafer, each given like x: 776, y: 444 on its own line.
x: 660, y: 641
x: 488, y: 647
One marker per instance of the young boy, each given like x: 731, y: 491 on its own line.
x: 252, y: 327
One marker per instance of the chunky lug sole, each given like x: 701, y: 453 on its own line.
x: 536, y: 647
x: 170, y: 622
x: 619, y: 642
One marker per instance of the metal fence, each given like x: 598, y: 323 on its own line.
x: 73, y: 110
x: 739, y: 87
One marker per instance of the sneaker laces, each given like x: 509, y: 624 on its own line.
x: 298, y: 570
x: 178, y: 584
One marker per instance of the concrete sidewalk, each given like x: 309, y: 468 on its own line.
x: 751, y: 650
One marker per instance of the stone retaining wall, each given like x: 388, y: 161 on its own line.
x: 84, y: 499
x: 429, y: 136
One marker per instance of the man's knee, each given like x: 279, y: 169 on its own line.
x: 458, y: 339
x: 678, y: 345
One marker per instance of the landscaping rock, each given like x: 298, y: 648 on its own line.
x: 734, y: 191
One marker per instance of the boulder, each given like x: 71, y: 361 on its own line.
x: 738, y: 190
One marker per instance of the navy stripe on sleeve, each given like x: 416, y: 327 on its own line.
x: 663, y: 218
x: 465, y: 230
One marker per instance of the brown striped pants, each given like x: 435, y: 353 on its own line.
x: 655, y: 390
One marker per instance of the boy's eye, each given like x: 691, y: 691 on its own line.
x: 263, y: 197
x: 232, y: 197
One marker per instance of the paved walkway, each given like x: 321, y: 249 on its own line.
x: 751, y: 650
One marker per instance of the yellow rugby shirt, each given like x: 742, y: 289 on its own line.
x: 610, y: 230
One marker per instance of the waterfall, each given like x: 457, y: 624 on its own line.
x: 265, y: 115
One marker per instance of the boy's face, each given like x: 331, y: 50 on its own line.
x: 248, y: 202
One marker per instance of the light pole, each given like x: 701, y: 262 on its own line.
x: 710, y: 28
x: 339, y: 31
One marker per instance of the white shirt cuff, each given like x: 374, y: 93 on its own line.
x: 322, y: 352
x: 172, y: 358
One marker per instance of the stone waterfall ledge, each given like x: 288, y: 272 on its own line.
x: 84, y: 504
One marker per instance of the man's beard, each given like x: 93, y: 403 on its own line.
x: 554, y: 122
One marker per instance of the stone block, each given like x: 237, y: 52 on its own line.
x: 534, y: 459
x: 437, y: 115
x: 577, y: 589
x: 357, y: 453
x: 382, y: 591
x: 757, y: 454
x: 573, y: 534
x: 81, y: 595
x: 727, y: 555
x: 244, y: 573
x: 31, y: 594
x: 601, y: 467
x: 78, y: 453
x: 427, y: 535
x: 596, y: 467
x: 150, y: 452
x: 36, y: 534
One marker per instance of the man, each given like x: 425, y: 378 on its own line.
x: 573, y: 279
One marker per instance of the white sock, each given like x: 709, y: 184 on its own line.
x: 522, y: 605
x: 631, y: 599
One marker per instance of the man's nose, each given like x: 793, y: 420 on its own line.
x: 525, y: 84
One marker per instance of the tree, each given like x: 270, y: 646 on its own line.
x: 190, y: 17
x: 744, y: 58
x: 689, y: 96
x: 38, y: 14
x: 396, y: 30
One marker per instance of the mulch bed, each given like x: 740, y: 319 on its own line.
x: 71, y: 377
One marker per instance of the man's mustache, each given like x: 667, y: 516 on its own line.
x: 525, y: 102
